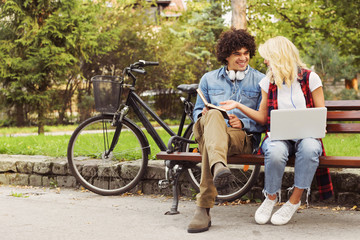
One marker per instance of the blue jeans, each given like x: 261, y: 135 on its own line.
x: 307, y: 152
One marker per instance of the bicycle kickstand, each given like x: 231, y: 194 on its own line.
x: 172, y: 173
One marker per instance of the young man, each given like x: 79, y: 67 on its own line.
x: 218, y: 137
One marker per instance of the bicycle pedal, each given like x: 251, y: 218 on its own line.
x: 164, y: 183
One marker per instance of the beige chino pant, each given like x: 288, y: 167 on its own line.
x: 216, y: 141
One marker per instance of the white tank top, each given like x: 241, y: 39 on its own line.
x: 292, y: 96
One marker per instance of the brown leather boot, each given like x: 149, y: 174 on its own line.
x: 201, y: 221
x: 222, y: 175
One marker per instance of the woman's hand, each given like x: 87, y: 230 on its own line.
x: 229, y: 105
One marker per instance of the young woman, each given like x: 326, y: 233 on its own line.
x: 287, y: 85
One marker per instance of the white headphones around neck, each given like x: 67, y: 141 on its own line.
x: 238, y: 75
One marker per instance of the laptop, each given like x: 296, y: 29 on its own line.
x: 286, y: 124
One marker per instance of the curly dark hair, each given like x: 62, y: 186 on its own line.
x: 233, y: 40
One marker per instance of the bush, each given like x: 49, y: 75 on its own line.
x: 345, y: 94
x: 348, y: 94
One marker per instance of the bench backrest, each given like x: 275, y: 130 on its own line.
x: 343, y: 116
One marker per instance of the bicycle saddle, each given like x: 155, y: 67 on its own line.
x: 188, y: 88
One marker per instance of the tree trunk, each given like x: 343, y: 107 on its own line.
x: 61, y: 119
x: 41, y: 121
x: 19, y: 115
x: 238, y: 19
x: 68, y: 93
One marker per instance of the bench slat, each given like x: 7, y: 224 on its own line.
x: 343, y: 116
x: 343, y: 127
x: 250, y: 159
x: 343, y: 105
x: 340, y: 162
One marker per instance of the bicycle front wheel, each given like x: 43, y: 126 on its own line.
x: 102, y: 173
x: 245, y: 176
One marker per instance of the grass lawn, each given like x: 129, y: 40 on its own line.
x: 342, y: 144
x: 56, y: 146
x: 17, y: 130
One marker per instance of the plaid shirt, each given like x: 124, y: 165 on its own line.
x: 322, y: 174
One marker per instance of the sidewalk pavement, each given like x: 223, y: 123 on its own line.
x: 44, y: 213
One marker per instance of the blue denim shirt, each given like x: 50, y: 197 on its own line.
x: 217, y: 87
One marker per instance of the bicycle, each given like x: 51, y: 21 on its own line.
x: 101, y: 162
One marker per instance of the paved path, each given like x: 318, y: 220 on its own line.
x: 43, y: 213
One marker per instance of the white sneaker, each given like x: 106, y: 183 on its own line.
x: 285, y: 213
x: 263, y: 213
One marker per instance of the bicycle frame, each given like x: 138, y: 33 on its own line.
x: 133, y: 101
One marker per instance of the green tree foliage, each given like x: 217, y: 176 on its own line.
x: 187, y: 47
x: 315, y: 27
x: 43, y: 42
x: 50, y: 49
x: 343, y: 30
x: 185, y: 50
x: 329, y: 63
x: 123, y: 36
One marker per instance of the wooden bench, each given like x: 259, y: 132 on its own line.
x: 343, y: 117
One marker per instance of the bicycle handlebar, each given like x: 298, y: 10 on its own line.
x: 148, y: 63
x: 138, y: 68
x: 142, y: 71
x: 142, y: 63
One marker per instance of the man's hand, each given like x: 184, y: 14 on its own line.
x: 204, y: 111
x: 235, y: 122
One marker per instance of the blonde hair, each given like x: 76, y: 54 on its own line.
x: 284, y: 60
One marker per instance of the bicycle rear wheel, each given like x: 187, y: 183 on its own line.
x: 121, y: 170
x: 245, y: 176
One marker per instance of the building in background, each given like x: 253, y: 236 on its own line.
x: 167, y: 8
